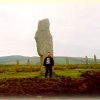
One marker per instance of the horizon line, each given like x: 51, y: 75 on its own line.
x: 53, y: 56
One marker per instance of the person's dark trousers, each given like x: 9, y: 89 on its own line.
x: 48, y: 71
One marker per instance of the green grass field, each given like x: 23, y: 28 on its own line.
x: 69, y: 73
x: 32, y: 71
x: 19, y: 75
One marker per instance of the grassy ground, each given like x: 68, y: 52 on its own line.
x: 69, y: 73
x: 19, y: 75
x: 20, y: 71
x: 31, y: 71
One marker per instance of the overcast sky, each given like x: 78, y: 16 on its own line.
x: 75, y: 28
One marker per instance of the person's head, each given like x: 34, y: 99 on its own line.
x: 49, y: 54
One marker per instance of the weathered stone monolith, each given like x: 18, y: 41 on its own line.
x: 86, y: 60
x: 43, y: 39
x: 95, y: 59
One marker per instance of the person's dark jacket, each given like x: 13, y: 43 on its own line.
x: 51, y: 62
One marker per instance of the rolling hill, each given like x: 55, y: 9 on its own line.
x: 35, y: 60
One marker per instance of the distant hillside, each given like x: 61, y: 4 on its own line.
x: 22, y: 59
x: 35, y: 60
x: 73, y: 60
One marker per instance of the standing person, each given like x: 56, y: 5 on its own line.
x: 48, y: 63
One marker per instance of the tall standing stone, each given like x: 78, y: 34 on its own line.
x: 17, y: 62
x: 95, y: 59
x: 86, y: 60
x: 28, y: 61
x: 67, y: 60
x: 43, y: 39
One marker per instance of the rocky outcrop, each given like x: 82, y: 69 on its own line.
x: 43, y: 39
